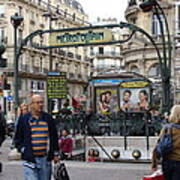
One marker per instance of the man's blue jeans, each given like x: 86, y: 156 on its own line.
x: 41, y: 170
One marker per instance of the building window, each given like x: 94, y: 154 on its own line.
x: 74, y: 17
x: 42, y: 85
x: 177, y: 20
x: 21, y: 65
x: 135, y: 69
x: 154, y: 71
x: 32, y: 64
x: 101, y: 64
x: 101, y: 50
x: 1, y: 35
x: 41, y: 64
x: 91, y: 51
x: 2, y: 10
x: 85, y: 51
x: 20, y: 84
x: 113, y: 51
x: 39, y: 85
x: 26, y: 85
x: 32, y: 84
x: 132, y: 2
x: 156, y: 26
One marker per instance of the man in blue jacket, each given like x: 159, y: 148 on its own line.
x: 37, y: 140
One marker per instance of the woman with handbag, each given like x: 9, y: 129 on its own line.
x: 171, y: 161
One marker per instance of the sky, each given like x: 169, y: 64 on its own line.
x: 104, y: 8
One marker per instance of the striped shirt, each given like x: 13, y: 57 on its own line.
x: 39, y: 137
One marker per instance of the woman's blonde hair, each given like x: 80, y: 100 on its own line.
x: 175, y: 114
x: 20, y: 109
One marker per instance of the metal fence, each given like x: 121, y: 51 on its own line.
x: 114, y: 124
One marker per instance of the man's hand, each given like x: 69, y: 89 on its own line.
x: 56, y: 159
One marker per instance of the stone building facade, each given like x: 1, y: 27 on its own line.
x: 107, y: 57
x: 140, y: 55
x: 34, y: 64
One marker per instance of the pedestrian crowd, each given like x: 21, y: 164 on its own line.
x: 39, y: 142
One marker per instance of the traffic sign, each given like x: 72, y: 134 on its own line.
x: 9, y: 98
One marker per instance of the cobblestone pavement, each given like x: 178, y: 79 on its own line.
x: 12, y: 170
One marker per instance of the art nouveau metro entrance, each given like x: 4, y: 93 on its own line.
x: 86, y: 36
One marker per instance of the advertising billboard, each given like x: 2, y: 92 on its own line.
x: 106, y: 100
x: 134, y: 99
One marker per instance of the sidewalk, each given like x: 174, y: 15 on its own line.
x: 12, y: 170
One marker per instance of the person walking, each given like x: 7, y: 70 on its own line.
x: 66, y: 118
x: 65, y: 145
x: 2, y: 132
x: 2, y: 127
x: 11, y: 128
x: 37, y: 140
x: 22, y: 109
x: 171, y: 162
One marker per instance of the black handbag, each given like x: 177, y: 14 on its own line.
x: 60, y: 172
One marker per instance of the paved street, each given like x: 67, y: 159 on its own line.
x: 80, y: 170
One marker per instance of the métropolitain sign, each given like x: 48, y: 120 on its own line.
x: 80, y: 37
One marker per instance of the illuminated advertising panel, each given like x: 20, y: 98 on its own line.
x: 106, y: 100
x: 134, y: 99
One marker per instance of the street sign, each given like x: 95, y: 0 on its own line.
x: 56, y: 85
x: 82, y: 36
x: 9, y: 98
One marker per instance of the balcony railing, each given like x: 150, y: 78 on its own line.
x: 68, y: 54
x: 87, y: 58
x: 106, y: 53
x: 56, y: 10
x: 78, y: 56
x: 34, y: 69
x: 79, y: 77
x: 62, y: 52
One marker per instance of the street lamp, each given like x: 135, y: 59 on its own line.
x: 16, y: 21
x: 51, y: 18
x: 165, y: 66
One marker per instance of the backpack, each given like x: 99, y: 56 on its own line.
x: 165, y: 144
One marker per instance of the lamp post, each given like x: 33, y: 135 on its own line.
x: 165, y: 66
x: 51, y: 18
x: 16, y: 21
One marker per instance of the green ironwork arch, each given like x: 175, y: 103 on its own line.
x: 132, y: 27
x: 121, y: 25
